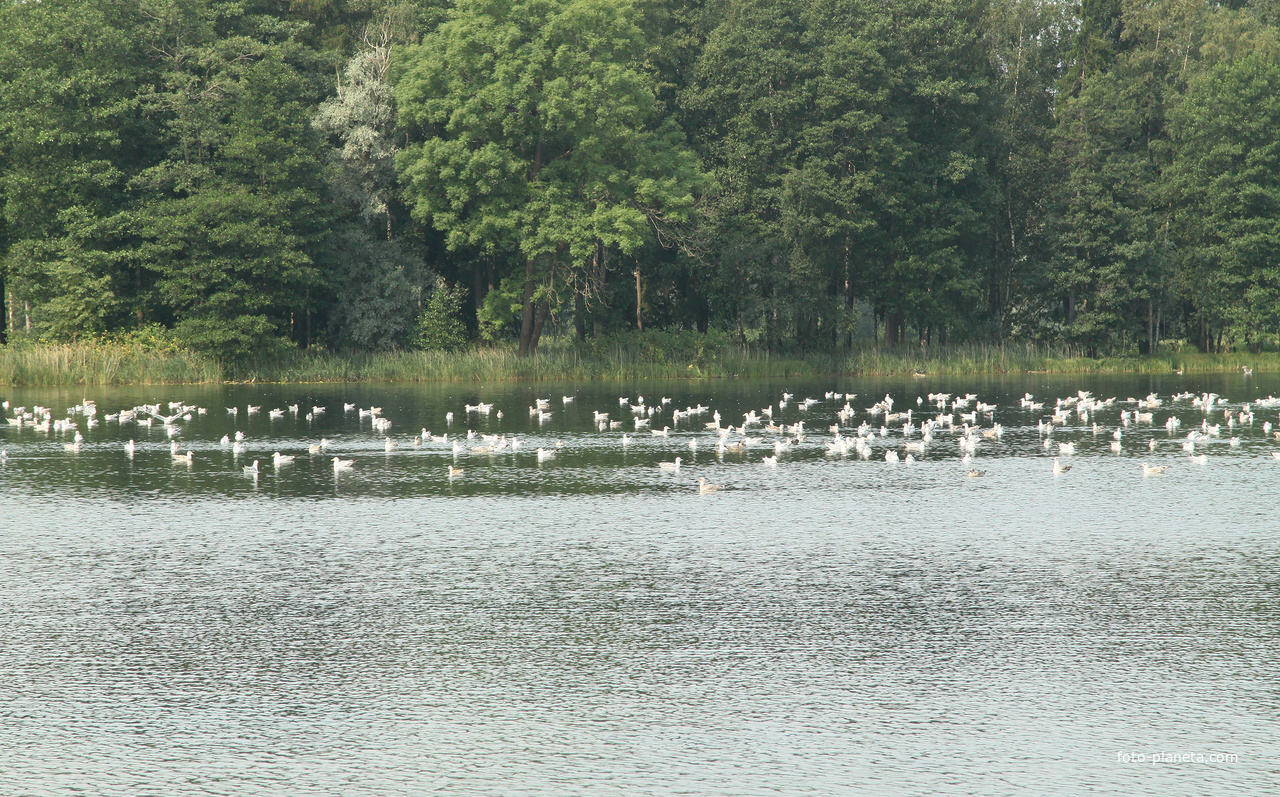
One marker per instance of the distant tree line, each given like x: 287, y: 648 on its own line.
x: 246, y: 176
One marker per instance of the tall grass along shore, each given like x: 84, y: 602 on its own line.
x: 666, y: 356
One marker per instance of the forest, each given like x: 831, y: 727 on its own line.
x: 247, y: 177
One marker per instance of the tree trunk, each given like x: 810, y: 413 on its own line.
x: 478, y: 269
x: 540, y: 318
x: 137, y: 290
x: 526, y: 311
x: 4, y: 315
x: 598, y: 272
x: 893, y: 327
x: 639, y: 300
x: 1151, y: 328
x: 579, y: 316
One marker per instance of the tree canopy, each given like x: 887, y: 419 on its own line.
x: 252, y: 175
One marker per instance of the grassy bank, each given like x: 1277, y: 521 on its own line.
x: 648, y: 356
x: 102, y: 364
x: 1021, y: 359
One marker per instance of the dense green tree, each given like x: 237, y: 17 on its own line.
x: 70, y: 139
x: 1225, y: 177
x: 539, y: 134
x: 233, y: 220
x: 378, y: 281
x: 256, y: 174
x: 1112, y: 266
x: 1028, y: 42
x: 845, y: 138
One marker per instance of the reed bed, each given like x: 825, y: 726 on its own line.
x: 552, y: 363
x: 103, y: 364
x: 1018, y: 359
x: 651, y: 356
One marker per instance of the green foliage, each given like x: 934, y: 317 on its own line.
x: 381, y: 286
x: 1226, y: 176
x: 804, y: 176
x: 539, y: 133
x: 438, y: 327
x: 236, y: 340
x: 70, y: 137
x: 499, y: 316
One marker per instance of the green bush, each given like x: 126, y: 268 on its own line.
x: 439, y: 325
x: 236, y: 340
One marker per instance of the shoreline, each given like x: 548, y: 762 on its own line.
x: 667, y: 356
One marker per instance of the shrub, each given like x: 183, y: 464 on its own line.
x: 439, y: 325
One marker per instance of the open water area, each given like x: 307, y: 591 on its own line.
x: 593, y: 624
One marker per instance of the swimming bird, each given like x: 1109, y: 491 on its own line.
x: 279, y: 459
x: 1153, y: 470
x: 975, y: 473
x: 251, y: 470
x: 389, y: 444
x: 453, y: 472
x: 1059, y: 468
x: 1200, y: 459
x: 343, y: 464
x: 770, y: 461
x: 671, y: 466
x: 186, y: 458
x: 705, y: 486
x: 544, y: 455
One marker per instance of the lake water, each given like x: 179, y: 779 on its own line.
x: 593, y: 625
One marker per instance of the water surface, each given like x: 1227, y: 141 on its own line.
x: 592, y: 625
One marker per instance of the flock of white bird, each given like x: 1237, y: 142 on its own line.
x: 902, y: 434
